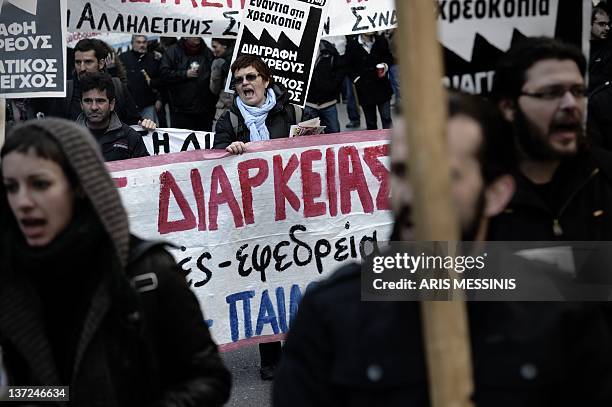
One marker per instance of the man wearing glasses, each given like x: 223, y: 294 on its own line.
x: 564, y: 187
x: 600, y: 61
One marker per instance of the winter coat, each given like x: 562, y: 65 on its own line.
x: 120, y: 141
x: 145, y: 94
x: 108, y: 315
x: 341, y: 351
x: 70, y: 106
x: 371, y: 90
x: 600, y: 63
x: 188, y: 95
x: 585, y: 191
x: 599, y: 123
x: 279, y: 121
x: 328, y: 74
x: 219, y: 72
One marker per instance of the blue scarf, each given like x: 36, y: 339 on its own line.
x: 255, y: 117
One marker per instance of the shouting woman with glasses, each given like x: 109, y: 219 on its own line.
x: 260, y: 111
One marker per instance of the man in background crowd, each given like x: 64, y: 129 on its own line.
x: 185, y: 70
x: 117, y: 140
x: 142, y: 70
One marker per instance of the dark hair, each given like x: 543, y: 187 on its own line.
x: 23, y: 138
x: 100, y: 81
x: 226, y: 42
x: 599, y: 9
x: 245, y: 60
x: 91, y: 44
x: 497, y: 153
x: 510, y: 74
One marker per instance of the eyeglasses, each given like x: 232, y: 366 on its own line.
x: 602, y: 24
x: 250, y: 77
x: 557, y: 92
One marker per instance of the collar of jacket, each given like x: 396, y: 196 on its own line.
x: 282, y: 99
x: 575, y: 171
x: 114, y: 124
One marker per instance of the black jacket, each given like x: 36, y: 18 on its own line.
x: 341, y: 351
x: 188, y: 95
x: 599, y: 123
x: 144, y: 94
x: 328, y: 75
x: 279, y: 121
x: 600, y: 63
x: 583, y: 185
x: 70, y: 106
x: 120, y: 141
x: 371, y: 89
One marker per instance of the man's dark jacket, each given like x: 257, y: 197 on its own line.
x: 188, y: 95
x: 599, y: 123
x: 120, y: 141
x: 70, y: 106
x: 328, y: 74
x: 279, y: 121
x: 144, y: 94
x: 341, y: 351
x: 371, y: 90
x: 585, y: 192
x: 600, y: 63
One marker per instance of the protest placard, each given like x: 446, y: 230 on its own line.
x: 32, y: 48
x: 355, y: 16
x: 286, y: 36
x: 255, y: 229
x: 164, y: 141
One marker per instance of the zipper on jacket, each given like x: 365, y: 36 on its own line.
x: 557, y: 230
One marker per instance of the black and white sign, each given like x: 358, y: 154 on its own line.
x: 32, y: 48
x: 164, y: 141
x: 286, y: 35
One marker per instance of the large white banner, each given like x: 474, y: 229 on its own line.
x: 254, y: 230
x: 219, y: 18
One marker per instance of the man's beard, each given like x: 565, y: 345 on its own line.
x: 536, y: 145
x: 468, y: 232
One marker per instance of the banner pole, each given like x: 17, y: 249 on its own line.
x: 445, y: 328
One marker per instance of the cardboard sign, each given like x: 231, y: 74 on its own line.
x: 286, y: 36
x: 255, y: 229
x: 32, y: 48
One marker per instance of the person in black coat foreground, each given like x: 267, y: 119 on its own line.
x: 82, y: 303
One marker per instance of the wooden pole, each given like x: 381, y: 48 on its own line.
x: 2, y: 120
x: 424, y: 107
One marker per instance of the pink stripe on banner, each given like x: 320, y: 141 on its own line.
x: 277, y: 144
x: 228, y: 347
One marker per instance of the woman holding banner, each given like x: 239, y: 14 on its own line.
x: 261, y: 109
x: 82, y: 302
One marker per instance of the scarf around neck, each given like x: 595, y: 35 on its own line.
x: 255, y: 117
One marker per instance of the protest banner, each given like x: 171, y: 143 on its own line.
x: 164, y: 141
x: 116, y: 40
x: 286, y: 36
x: 476, y: 33
x: 32, y: 48
x: 216, y: 18
x: 255, y: 229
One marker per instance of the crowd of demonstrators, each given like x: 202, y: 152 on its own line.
x: 185, y: 71
x: 329, y: 71
x: 564, y: 185
x: 70, y: 314
x: 368, y: 59
x: 117, y: 140
x: 260, y: 110
x: 344, y: 351
x: 223, y: 50
x: 143, y: 78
